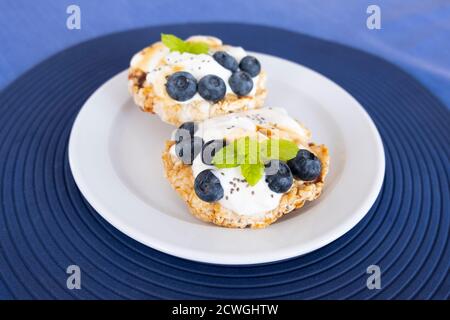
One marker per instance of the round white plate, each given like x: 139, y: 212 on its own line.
x: 115, y: 157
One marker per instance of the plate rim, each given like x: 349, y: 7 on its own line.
x: 230, y: 259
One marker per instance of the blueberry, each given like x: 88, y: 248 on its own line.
x: 210, y: 148
x: 250, y: 65
x: 278, y: 176
x: 181, y: 86
x: 185, y: 131
x: 188, y: 149
x: 241, y: 83
x: 207, y: 186
x: 212, y: 88
x: 225, y: 60
x: 305, y: 166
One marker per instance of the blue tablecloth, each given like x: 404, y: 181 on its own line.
x: 414, y: 34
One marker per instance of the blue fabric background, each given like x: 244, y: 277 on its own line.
x: 415, y: 34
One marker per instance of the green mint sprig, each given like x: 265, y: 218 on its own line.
x: 280, y: 149
x: 250, y: 155
x: 176, y: 44
x: 252, y: 172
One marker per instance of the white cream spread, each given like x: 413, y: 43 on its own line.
x: 161, y: 63
x: 238, y: 195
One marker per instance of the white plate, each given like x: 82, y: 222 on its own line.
x: 115, y: 157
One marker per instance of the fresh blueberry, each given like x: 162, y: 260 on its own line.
x: 181, y: 86
x: 185, y: 131
x: 210, y: 148
x: 305, y: 166
x: 188, y: 149
x: 278, y: 176
x: 250, y: 65
x: 207, y: 186
x: 225, y: 60
x: 241, y: 83
x: 212, y: 88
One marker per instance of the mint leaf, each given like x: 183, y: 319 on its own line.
x: 252, y: 172
x: 226, y: 165
x: 172, y: 42
x: 288, y: 150
x: 250, y: 155
x: 268, y: 150
x: 176, y: 44
x: 281, y: 149
x: 197, y: 47
x: 226, y: 157
x: 247, y: 150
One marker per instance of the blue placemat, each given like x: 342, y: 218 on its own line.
x: 46, y: 225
